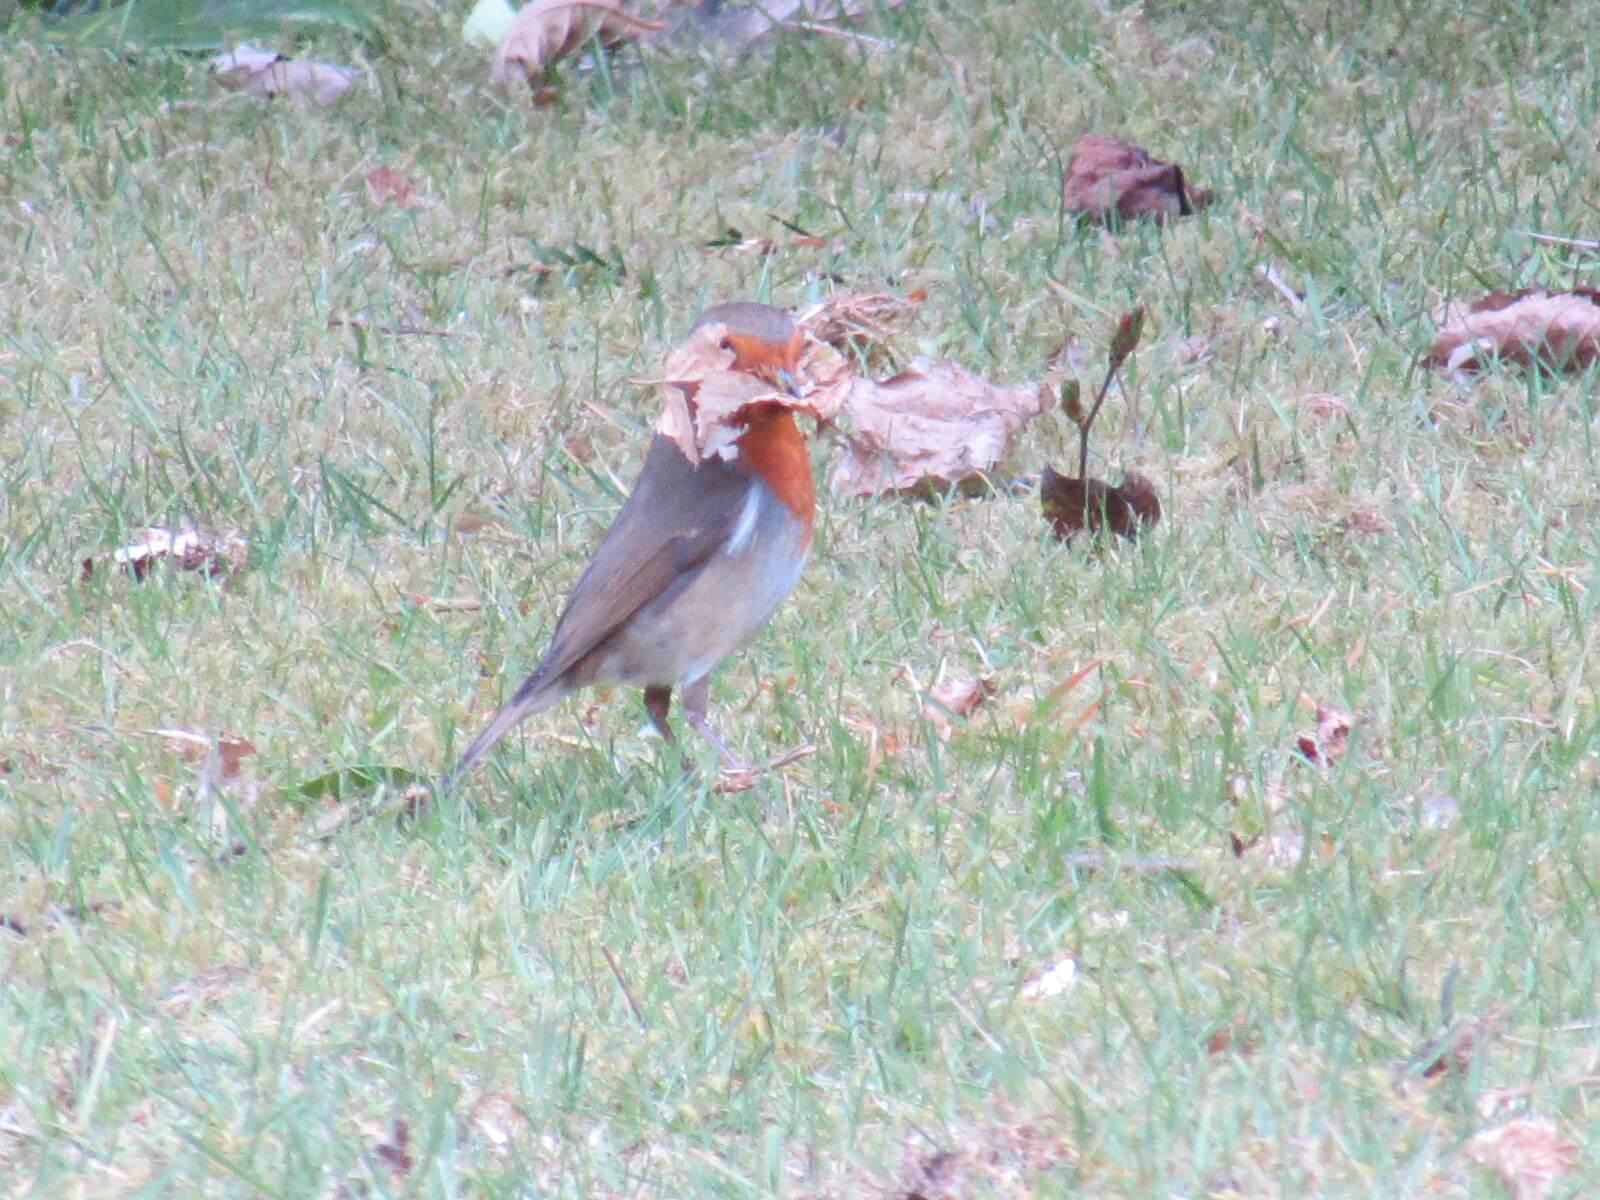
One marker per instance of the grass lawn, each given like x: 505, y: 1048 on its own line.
x: 1113, y: 939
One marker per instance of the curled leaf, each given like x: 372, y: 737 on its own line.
x: 858, y: 320
x: 704, y: 401
x: 932, y: 425
x: 1331, y: 739
x: 1074, y: 505
x: 385, y: 185
x: 186, y: 546
x: 1107, y: 178
x: 548, y: 30
x: 1530, y: 1154
x: 265, y: 73
x: 1556, y: 329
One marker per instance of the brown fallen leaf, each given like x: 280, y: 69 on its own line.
x: 265, y: 73
x: 1107, y: 178
x: 548, y: 30
x: 1556, y: 329
x: 1323, y: 405
x: 231, y: 749
x: 826, y: 379
x: 961, y: 695
x: 1529, y: 1154
x: 385, y: 185
x: 931, y: 425
x: 190, y: 549
x: 704, y: 400
x: 1074, y: 505
x: 956, y: 696
x: 1331, y: 739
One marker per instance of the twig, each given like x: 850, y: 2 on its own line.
x: 394, y: 330
x: 1122, y: 344
x: 1554, y: 240
x: 1267, y: 271
x: 735, y: 781
x: 1143, y: 864
x: 627, y: 992
x: 865, y: 39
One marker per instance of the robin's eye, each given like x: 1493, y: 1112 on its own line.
x: 726, y: 344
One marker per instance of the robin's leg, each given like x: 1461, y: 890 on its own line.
x: 658, y: 702
x: 695, y: 697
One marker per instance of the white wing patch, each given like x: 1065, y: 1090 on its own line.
x: 744, y: 529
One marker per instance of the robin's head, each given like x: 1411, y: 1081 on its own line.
x: 764, y: 341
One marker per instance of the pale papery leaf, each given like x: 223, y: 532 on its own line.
x: 188, y: 547
x: 955, y: 696
x: 1530, y: 1154
x: 1055, y: 980
x: 1561, y: 329
x: 548, y: 30
x: 385, y: 185
x: 266, y: 73
x: 703, y: 399
x: 858, y: 319
x: 826, y: 378
x: 933, y: 424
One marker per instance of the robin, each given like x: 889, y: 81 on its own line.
x: 697, y: 560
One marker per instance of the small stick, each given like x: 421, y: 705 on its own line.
x: 627, y: 992
x: 1122, y: 344
x: 1553, y: 240
x: 1270, y: 273
x: 393, y: 330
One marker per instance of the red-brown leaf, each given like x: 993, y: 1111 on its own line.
x: 1107, y: 178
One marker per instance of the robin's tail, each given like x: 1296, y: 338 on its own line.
x: 536, y: 694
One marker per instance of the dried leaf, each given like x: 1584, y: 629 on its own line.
x: 548, y: 30
x: 1055, y: 980
x: 265, y: 73
x: 1331, y: 739
x: 190, y: 549
x: 1557, y: 329
x: 1529, y: 1154
x: 385, y: 185
x: 1323, y: 406
x: 1106, y: 177
x: 233, y: 749
x: 826, y: 379
x: 704, y: 400
x: 933, y: 424
x: 1072, y: 505
x: 856, y: 320
x: 961, y: 695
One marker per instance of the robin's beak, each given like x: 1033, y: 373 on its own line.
x: 785, y: 379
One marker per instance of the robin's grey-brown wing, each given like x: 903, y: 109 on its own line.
x: 677, y: 516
